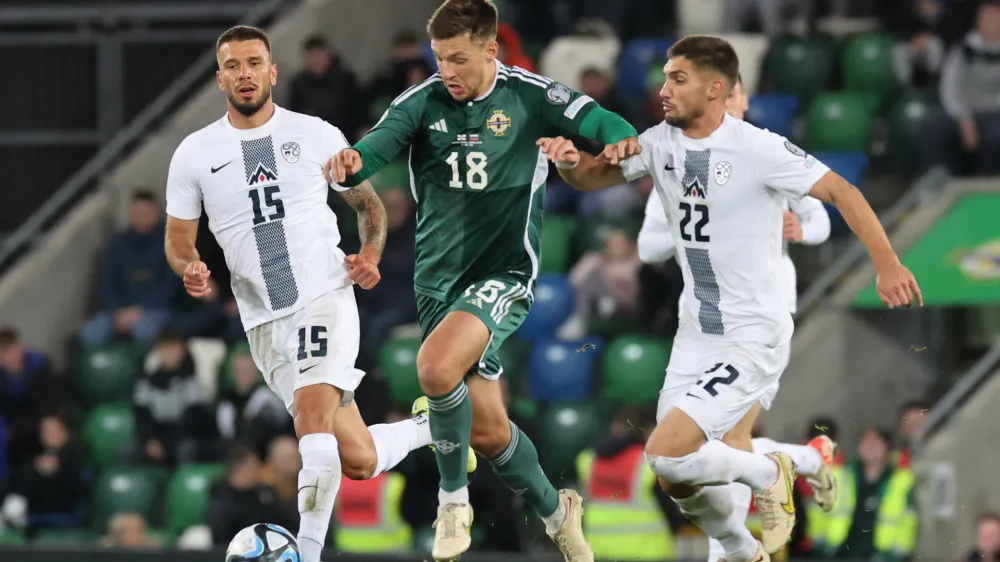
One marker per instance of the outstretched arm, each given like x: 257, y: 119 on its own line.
x: 579, y: 169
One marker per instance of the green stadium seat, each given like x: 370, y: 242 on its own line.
x: 107, y: 373
x: 868, y: 66
x: 64, y: 538
x: 800, y: 66
x: 398, y: 361
x: 226, y: 379
x: 906, y: 123
x: 108, y: 430
x: 162, y: 537
x: 567, y: 428
x: 126, y: 490
x: 839, y: 121
x: 557, y: 238
x: 634, y: 368
x: 187, y: 495
x: 10, y: 537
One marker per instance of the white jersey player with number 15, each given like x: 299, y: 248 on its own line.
x: 262, y: 174
x: 722, y: 183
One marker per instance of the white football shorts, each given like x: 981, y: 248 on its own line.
x: 716, y: 383
x: 316, y: 345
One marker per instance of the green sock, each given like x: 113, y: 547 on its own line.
x: 518, y: 468
x: 451, y: 430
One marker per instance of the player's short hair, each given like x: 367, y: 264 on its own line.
x: 739, y: 78
x: 454, y: 18
x: 707, y: 52
x: 243, y: 33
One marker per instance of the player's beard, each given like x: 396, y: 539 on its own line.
x: 248, y: 108
x: 682, y: 122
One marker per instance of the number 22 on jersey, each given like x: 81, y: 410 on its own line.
x: 699, y: 213
x: 475, y: 174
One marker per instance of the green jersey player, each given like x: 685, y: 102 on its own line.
x: 478, y: 178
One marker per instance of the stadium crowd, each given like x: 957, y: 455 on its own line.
x: 163, y: 433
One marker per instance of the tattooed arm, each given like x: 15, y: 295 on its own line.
x: 372, y: 226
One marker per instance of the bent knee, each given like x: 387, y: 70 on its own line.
x: 358, y: 466
x: 437, y: 374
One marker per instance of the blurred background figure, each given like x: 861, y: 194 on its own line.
x: 128, y: 530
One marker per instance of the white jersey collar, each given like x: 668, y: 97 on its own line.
x: 257, y: 132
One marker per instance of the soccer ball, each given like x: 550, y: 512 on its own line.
x: 263, y: 542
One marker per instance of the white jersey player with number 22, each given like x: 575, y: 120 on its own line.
x: 723, y: 185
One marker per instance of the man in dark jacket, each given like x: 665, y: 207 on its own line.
x: 136, y: 282
x: 326, y: 88
x: 243, y: 499
x: 28, y: 392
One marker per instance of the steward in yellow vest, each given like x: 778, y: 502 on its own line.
x: 874, y: 515
x: 369, y: 518
x: 623, y: 519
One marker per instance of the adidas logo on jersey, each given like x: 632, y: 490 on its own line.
x: 441, y: 126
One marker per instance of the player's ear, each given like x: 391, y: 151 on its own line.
x: 717, y: 89
x: 218, y: 79
x: 274, y: 74
x: 492, y: 49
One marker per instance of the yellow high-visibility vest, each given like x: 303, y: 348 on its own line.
x: 895, y: 520
x: 622, y: 519
x: 369, y: 518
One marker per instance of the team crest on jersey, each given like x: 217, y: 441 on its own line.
x: 290, y: 152
x: 498, y: 122
x: 262, y: 175
x: 722, y: 172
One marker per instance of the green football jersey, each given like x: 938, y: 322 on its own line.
x: 476, y: 174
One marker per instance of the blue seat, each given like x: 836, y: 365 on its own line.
x: 852, y: 166
x: 774, y: 112
x: 553, y: 305
x: 560, y: 370
x: 635, y: 61
x: 429, y: 56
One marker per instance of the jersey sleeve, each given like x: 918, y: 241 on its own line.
x: 333, y: 142
x: 640, y: 165
x: 561, y: 107
x: 397, y: 127
x: 784, y: 167
x: 655, y: 241
x: 183, y: 192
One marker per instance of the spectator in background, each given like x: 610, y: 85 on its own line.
x: 52, y: 484
x: 170, y: 406
x: 281, y: 473
x: 618, y: 485
x: 919, y: 51
x: 136, y: 283
x: 987, y: 539
x: 248, y: 411
x: 326, y: 88
x: 911, y: 415
x: 970, y: 81
x: 407, y: 67
x: 511, y: 53
x: 391, y: 302
x: 878, y: 520
x: 243, y: 499
x: 128, y: 530
x: 28, y: 391
x: 605, y: 284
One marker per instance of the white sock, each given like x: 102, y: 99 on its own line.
x: 319, y: 482
x: 741, y: 495
x: 460, y: 495
x: 808, y: 461
x: 393, y: 441
x: 555, y: 521
x: 715, y: 464
x: 712, y: 510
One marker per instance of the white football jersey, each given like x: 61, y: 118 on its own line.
x: 724, y: 197
x: 265, y: 197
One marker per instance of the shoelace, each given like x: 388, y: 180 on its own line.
x: 450, y: 520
